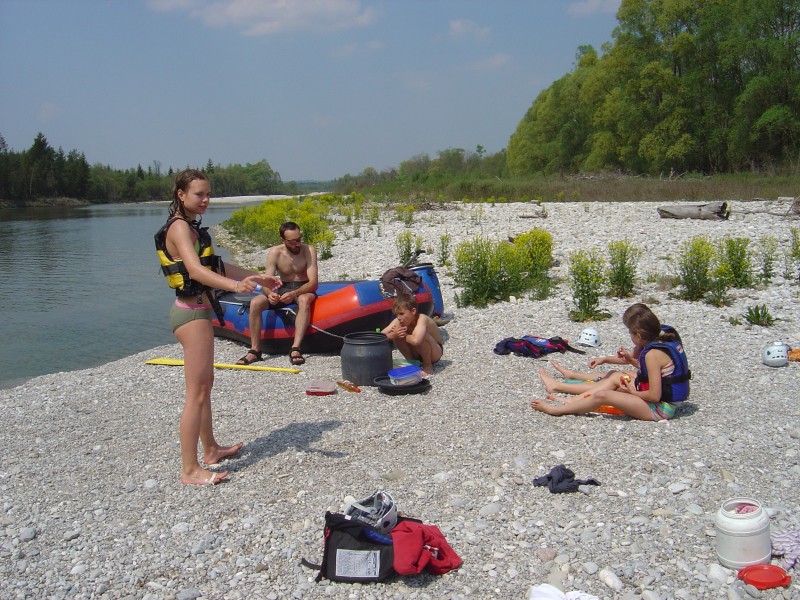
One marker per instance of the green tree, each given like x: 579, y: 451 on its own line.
x: 37, y: 168
x: 685, y: 86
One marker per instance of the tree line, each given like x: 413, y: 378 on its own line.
x: 42, y: 172
x: 708, y: 87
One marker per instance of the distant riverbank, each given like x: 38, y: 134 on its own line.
x: 45, y: 203
x: 74, y: 202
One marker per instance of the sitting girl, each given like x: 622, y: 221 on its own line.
x: 650, y: 394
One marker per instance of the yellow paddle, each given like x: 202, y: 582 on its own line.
x: 176, y: 362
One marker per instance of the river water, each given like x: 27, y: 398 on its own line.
x: 82, y: 286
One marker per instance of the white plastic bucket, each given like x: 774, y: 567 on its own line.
x: 742, y: 537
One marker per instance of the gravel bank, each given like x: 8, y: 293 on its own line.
x: 92, y: 507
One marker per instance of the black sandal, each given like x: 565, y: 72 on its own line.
x: 296, y: 360
x: 254, y: 352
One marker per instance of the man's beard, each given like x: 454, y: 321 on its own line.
x: 293, y: 251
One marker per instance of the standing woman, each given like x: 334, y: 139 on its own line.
x: 188, y: 261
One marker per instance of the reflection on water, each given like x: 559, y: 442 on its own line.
x: 82, y: 286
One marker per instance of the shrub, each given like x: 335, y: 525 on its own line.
x: 405, y: 214
x: 261, y: 223
x: 769, y: 256
x: 794, y: 245
x: 586, y: 273
x: 475, y: 270
x: 734, y: 255
x: 721, y: 281
x: 407, y: 245
x: 324, y: 244
x: 374, y: 215
x: 759, y: 315
x: 792, y: 255
x: 623, y: 257
x: 444, y: 249
x: 488, y: 271
x: 404, y: 242
x: 536, y: 248
x: 694, y: 267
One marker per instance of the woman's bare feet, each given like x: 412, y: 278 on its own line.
x: 203, y: 477
x: 214, y: 455
x: 549, y: 382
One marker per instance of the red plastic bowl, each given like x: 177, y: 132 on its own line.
x: 764, y: 577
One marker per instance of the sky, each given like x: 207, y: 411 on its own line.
x: 317, y: 88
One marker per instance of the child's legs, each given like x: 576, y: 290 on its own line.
x: 406, y: 349
x: 430, y: 350
x: 569, y: 374
x: 560, y: 387
x: 631, y: 405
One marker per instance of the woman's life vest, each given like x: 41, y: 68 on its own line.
x: 176, y: 273
x: 675, y: 387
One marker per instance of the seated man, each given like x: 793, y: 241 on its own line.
x: 416, y: 336
x: 296, y: 265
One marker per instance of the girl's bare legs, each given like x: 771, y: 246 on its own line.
x: 631, y: 405
x: 568, y: 374
x: 609, y: 383
x: 556, y: 385
x: 197, y: 339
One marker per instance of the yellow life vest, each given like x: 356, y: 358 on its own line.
x: 175, y: 271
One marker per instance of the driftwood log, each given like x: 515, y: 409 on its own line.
x: 713, y: 211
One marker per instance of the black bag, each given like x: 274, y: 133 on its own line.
x: 354, y: 551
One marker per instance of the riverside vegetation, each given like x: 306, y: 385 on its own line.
x: 487, y: 270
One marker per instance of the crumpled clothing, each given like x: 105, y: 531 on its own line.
x: 400, y: 280
x: 786, y: 543
x: 533, y: 346
x: 551, y: 592
x: 560, y: 480
x: 419, y: 547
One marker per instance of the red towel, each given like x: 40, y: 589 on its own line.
x: 418, y: 546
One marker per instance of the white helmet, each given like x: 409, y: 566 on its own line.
x: 775, y: 354
x: 589, y: 337
x: 377, y: 510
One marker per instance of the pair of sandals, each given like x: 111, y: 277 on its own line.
x: 296, y: 359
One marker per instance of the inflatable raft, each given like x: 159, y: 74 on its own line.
x: 341, y: 307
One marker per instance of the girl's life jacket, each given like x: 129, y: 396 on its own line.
x: 674, y: 388
x: 176, y: 273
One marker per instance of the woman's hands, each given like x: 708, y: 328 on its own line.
x: 249, y: 283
